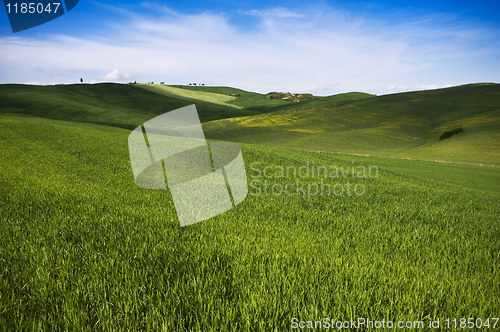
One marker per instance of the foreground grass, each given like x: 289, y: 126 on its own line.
x: 84, y: 249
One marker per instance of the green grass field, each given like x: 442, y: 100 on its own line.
x: 82, y: 248
x: 463, y: 176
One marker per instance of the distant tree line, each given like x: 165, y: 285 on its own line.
x: 292, y: 97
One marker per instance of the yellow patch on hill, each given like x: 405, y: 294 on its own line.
x: 210, y: 97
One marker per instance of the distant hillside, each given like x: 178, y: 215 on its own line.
x: 262, y: 102
x: 406, y: 125
x: 245, y: 99
x: 128, y: 105
x: 118, y: 105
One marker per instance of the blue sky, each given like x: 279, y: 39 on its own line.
x: 320, y: 47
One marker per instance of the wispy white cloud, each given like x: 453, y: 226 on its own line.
x: 114, y: 76
x: 67, y: 72
x: 322, y: 52
x: 275, y: 12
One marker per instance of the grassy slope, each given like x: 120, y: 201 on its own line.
x: 83, y: 249
x: 174, y: 92
x: 118, y: 105
x: 248, y: 100
x: 402, y: 125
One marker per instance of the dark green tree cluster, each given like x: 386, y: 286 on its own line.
x: 450, y: 133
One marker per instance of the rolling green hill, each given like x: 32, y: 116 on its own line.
x: 245, y: 99
x: 127, y: 106
x: 191, y: 95
x: 261, y: 102
x: 119, y: 105
x: 404, y: 125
